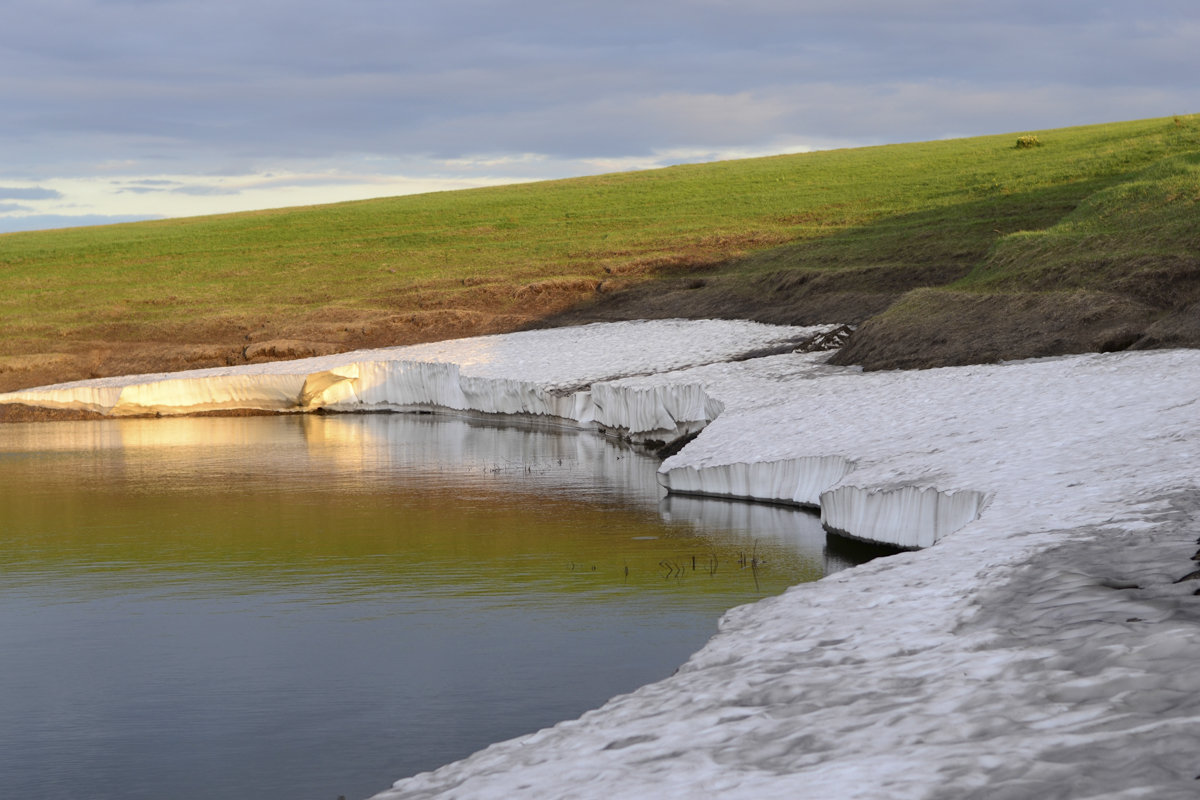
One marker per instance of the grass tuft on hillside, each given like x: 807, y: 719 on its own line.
x: 946, y: 252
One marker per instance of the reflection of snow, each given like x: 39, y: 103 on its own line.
x: 538, y: 460
x: 786, y: 528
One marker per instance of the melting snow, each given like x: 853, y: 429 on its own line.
x: 1039, y: 646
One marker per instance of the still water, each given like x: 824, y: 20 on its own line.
x: 315, y: 606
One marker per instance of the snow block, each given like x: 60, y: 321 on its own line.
x: 406, y: 385
x: 909, y: 517
x: 99, y: 399
x: 664, y: 410
x: 559, y: 374
x: 379, y: 385
x: 792, y: 480
x: 508, y: 396
x: 217, y: 392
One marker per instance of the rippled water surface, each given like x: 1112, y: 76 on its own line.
x: 307, y: 607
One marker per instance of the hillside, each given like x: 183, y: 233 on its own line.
x: 947, y: 252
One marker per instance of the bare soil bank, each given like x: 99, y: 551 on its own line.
x: 203, y: 345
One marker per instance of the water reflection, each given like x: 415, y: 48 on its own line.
x: 313, y: 606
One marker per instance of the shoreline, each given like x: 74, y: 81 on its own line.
x: 1043, y: 647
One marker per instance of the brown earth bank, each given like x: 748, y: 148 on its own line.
x: 906, y: 317
x: 217, y: 345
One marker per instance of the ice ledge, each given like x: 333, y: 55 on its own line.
x: 626, y: 381
x: 791, y: 480
x: 553, y: 373
x: 909, y: 517
x: 663, y: 411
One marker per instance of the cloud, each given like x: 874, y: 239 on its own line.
x: 466, y: 90
x: 167, y: 81
x: 28, y: 193
x: 173, y: 188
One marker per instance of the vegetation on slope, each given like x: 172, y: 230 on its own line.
x: 947, y: 252
x: 1120, y: 271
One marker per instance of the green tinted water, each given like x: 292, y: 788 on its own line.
x: 312, y: 606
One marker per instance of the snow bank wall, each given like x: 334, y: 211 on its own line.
x: 401, y: 385
x: 910, y: 517
x: 572, y: 375
x: 215, y: 393
x: 801, y: 481
x: 666, y: 411
x: 99, y: 399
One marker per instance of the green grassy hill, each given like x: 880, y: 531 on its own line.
x: 945, y: 252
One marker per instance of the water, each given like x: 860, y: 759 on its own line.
x: 308, y: 607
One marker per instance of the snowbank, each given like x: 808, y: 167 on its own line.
x: 547, y: 374
x: 1041, y: 647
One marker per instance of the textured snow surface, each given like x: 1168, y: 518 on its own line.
x: 1043, y: 646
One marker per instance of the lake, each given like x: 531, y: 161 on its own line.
x: 313, y: 606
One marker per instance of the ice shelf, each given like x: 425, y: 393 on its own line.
x: 1039, y: 644
x: 564, y: 375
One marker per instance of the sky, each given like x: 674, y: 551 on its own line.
x: 114, y: 110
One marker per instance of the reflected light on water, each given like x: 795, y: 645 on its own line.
x: 308, y: 606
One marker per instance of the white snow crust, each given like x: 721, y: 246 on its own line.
x: 1041, y: 644
x: 546, y: 374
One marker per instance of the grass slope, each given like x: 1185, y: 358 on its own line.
x: 948, y: 252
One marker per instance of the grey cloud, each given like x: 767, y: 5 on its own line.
x: 176, y: 86
x: 6, y: 208
x: 32, y: 193
x: 159, y: 187
x: 202, y: 191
